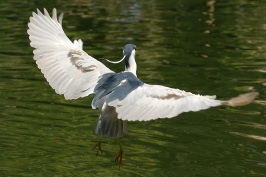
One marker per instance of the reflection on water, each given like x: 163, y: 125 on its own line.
x: 260, y: 128
x: 207, y: 47
x: 256, y: 137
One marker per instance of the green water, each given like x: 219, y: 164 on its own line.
x: 203, y: 46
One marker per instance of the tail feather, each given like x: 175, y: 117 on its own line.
x: 241, y: 100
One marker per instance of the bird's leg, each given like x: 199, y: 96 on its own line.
x: 119, y: 156
x: 98, y: 147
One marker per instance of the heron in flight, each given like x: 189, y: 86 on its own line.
x: 120, y: 97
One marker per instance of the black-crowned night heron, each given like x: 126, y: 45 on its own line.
x: 120, y: 97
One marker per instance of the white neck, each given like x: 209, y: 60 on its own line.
x: 132, y: 64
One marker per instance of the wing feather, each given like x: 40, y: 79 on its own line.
x: 149, y: 102
x: 68, y: 69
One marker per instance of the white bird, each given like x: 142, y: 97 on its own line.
x: 120, y: 97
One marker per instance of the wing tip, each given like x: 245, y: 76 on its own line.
x: 241, y: 100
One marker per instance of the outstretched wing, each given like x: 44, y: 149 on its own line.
x: 144, y: 102
x: 149, y: 102
x: 68, y: 69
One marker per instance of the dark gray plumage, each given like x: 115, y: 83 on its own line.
x: 116, y: 85
x: 110, y: 87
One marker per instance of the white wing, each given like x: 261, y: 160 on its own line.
x: 149, y: 102
x: 68, y: 69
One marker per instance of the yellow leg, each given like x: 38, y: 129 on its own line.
x: 97, y: 147
x: 119, y: 156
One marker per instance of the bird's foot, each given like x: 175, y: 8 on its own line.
x: 97, y: 147
x: 118, y: 159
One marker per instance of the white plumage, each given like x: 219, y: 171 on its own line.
x: 68, y: 69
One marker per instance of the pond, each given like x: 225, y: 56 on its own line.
x: 206, y: 47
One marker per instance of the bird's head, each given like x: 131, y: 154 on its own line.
x: 129, y: 51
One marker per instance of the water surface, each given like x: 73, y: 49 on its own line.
x: 202, y: 46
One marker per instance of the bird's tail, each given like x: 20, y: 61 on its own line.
x: 241, y: 100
